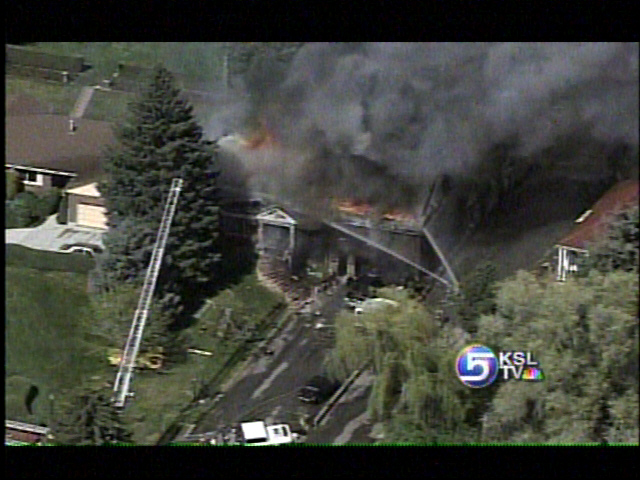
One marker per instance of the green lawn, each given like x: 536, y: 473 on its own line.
x: 19, y: 256
x: 45, y: 345
x: 199, y: 64
x: 159, y: 398
x: 58, y: 99
x: 108, y: 106
x: 197, y: 60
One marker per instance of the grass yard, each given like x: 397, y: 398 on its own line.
x: 56, y: 99
x: 48, y: 344
x: 44, y: 345
x: 196, y: 60
x: 20, y: 256
x: 108, y: 106
x: 160, y: 397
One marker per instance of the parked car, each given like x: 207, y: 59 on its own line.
x: 84, y: 248
x: 318, y: 390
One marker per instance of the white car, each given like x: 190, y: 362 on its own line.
x: 85, y: 249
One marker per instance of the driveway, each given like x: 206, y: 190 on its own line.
x: 52, y: 236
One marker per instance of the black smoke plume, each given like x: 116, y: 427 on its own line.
x: 381, y: 121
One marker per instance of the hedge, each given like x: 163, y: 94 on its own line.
x: 20, y: 256
x: 28, y: 210
x: 14, y: 184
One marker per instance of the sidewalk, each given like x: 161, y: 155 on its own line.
x: 81, y: 104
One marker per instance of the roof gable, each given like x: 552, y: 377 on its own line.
x: 277, y: 216
x: 90, y: 190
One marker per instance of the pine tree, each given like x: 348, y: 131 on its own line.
x: 90, y: 419
x: 619, y: 248
x: 158, y: 141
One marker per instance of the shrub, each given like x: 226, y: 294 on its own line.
x: 14, y: 184
x: 11, y: 221
x: 25, y: 209
x: 49, y: 202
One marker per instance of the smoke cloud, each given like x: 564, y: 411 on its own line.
x: 382, y: 120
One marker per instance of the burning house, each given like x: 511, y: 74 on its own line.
x: 401, y: 153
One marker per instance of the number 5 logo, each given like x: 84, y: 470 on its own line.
x: 468, y: 362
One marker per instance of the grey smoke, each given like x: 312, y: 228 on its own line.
x: 417, y: 111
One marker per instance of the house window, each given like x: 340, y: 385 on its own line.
x: 32, y: 178
x: 59, y: 181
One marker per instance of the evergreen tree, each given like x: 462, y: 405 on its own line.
x: 619, y: 248
x: 90, y: 419
x: 158, y: 141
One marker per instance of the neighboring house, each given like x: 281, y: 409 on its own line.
x: 592, y: 224
x: 20, y: 432
x: 46, y: 154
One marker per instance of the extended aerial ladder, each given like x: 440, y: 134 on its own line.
x: 127, y: 364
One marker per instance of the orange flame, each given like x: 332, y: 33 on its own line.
x: 397, y: 215
x: 262, y: 137
x: 358, y: 207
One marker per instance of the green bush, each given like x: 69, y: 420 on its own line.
x: 9, y: 216
x: 25, y: 210
x: 14, y: 184
x: 49, y: 202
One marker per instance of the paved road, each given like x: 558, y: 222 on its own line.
x: 348, y: 421
x: 267, y: 388
x: 52, y: 235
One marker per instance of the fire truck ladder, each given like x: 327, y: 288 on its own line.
x: 123, y: 379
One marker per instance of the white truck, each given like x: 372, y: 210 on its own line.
x: 258, y: 433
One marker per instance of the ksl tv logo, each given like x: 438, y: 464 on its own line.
x: 477, y: 366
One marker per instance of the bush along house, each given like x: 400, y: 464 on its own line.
x: 591, y: 225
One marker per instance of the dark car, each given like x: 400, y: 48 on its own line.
x: 318, y: 390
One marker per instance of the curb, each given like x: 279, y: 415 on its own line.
x: 321, y: 415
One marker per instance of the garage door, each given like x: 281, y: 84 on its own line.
x: 92, y: 216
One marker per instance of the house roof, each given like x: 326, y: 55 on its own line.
x: 89, y: 190
x: 289, y: 216
x: 620, y: 196
x: 43, y: 141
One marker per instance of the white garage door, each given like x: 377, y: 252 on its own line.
x: 92, y: 216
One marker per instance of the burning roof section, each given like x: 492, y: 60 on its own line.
x: 619, y: 197
x: 360, y: 208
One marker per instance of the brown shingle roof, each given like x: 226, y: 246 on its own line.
x: 620, y: 196
x: 44, y: 141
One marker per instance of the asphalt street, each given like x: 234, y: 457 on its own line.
x: 267, y: 388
